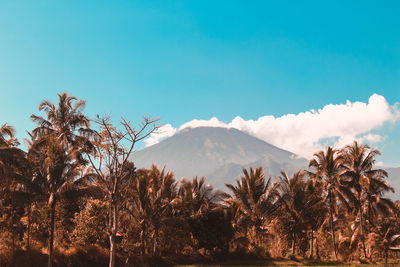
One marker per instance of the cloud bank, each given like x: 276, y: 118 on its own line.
x: 163, y: 132
x: 307, y: 132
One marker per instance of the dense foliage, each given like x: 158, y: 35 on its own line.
x: 76, y: 195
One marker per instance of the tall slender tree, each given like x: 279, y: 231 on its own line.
x: 13, y: 169
x: 256, y: 198
x: 328, y: 167
x: 147, y: 199
x: 15, y: 174
x: 300, y: 205
x: 368, y: 183
x: 58, y: 143
x: 20, y: 181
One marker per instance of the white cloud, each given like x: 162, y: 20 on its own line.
x: 371, y: 138
x: 213, y: 122
x: 163, y: 132
x: 380, y: 164
x: 304, y: 133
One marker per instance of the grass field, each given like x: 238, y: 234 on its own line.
x: 290, y: 263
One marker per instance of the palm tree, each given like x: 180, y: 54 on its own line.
x: 62, y: 171
x: 292, y: 192
x: 388, y: 229
x: 8, y: 153
x: 199, y: 205
x: 256, y: 199
x: 17, y: 180
x: 197, y: 196
x: 65, y: 122
x: 315, y: 216
x: 300, y: 204
x: 57, y: 146
x: 7, y: 131
x: 328, y: 167
x: 147, y: 199
x: 369, y: 184
x: 13, y: 173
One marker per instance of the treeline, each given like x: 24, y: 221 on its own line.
x: 76, y: 196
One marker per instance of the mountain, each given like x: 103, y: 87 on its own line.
x: 394, y: 181
x: 217, y: 153
x: 220, y: 154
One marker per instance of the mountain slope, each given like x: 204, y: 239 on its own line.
x: 394, y: 181
x: 230, y: 172
x: 208, y: 151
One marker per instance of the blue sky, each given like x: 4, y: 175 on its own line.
x: 185, y: 60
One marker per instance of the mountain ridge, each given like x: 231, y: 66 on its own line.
x: 201, y: 151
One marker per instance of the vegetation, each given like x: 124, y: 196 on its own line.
x: 76, y: 198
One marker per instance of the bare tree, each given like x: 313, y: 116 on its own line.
x: 112, y: 165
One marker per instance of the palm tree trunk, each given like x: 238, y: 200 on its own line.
x: 362, y: 227
x: 293, y: 244
x: 51, y: 239
x: 317, y: 248
x: 155, y: 245
x: 332, y: 232
x: 142, y: 243
x: 143, y: 237
x: 386, y: 256
x: 28, y: 241
x: 312, y: 244
x: 12, y: 242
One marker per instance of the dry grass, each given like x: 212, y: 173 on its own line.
x: 78, y: 256
x: 264, y: 263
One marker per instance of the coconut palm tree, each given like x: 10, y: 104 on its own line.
x: 65, y: 122
x: 315, y: 216
x: 197, y: 197
x: 7, y: 131
x: 368, y: 183
x: 197, y: 203
x: 15, y: 171
x: 328, y: 167
x: 57, y: 146
x: 147, y: 200
x: 385, y: 233
x: 63, y: 172
x: 389, y: 229
x: 301, y: 205
x: 292, y: 192
x: 256, y: 198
